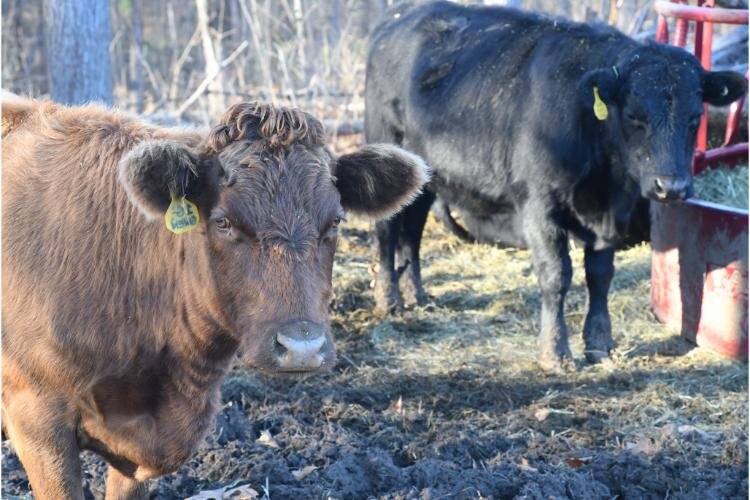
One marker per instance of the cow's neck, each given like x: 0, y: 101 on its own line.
x: 203, y: 343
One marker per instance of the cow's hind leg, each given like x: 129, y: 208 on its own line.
x: 597, y: 329
x: 387, y: 295
x: 121, y: 487
x: 414, y: 218
x: 554, y: 271
x: 43, y: 435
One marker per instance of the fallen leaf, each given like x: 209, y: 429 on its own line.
x: 241, y: 493
x: 541, y: 414
x: 229, y: 492
x: 208, y: 495
x: 525, y: 465
x: 301, y: 474
x: 267, y: 440
x: 576, y: 463
x: 691, y: 431
x: 399, y: 406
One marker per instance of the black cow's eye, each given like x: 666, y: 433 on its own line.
x: 223, y: 224
x: 333, y: 229
x: 636, y: 120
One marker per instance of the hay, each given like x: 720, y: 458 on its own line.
x: 723, y: 185
x: 483, y: 323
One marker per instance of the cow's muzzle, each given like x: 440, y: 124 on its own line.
x: 668, y: 188
x: 303, y: 346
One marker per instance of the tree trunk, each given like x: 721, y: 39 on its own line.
x: 138, y: 43
x: 215, y: 88
x: 78, y: 38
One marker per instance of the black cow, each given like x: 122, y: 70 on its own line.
x: 478, y: 229
x: 502, y: 104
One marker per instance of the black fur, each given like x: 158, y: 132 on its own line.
x: 499, y: 102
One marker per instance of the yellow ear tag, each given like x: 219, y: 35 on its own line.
x: 600, y: 109
x: 182, y: 216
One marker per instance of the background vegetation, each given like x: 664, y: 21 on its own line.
x: 178, y: 59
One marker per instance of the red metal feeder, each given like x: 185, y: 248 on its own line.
x: 699, y: 273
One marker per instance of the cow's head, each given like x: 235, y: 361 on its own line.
x: 271, y: 198
x: 655, y: 102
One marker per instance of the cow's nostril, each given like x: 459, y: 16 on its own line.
x: 301, y: 347
x: 278, y: 346
x: 660, y: 190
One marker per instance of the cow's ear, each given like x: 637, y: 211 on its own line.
x: 723, y: 87
x: 156, y: 170
x: 379, y: 179
x: 607, y: 83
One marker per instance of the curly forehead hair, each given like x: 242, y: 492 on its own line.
x: 278, y: 126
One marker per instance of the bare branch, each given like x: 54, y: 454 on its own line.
x: 210, y: 78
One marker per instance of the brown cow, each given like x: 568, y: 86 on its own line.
x: 116, y: 332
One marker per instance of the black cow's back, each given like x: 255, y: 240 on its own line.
x: 475, y: 89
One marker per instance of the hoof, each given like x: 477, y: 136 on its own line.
x: 600, y: 350
x: 392, y: 305
x: 597, y: 338
x: 595, y: 356
x: 387, y: 299
x: 423, y: 299
x: 556, y: 364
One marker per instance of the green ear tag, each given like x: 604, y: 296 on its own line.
x: 182, y: 216
x: 600, y: 109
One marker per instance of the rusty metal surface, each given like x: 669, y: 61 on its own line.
x: 699, y: 275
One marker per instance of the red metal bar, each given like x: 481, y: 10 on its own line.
x: 729, y: 155
x: 662, y: 29
x: 681, y: 29
x: 708, y: 36
x: 692, y: 13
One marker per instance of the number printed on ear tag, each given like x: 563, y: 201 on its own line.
x: 600, y: 109
x: 182, y: 216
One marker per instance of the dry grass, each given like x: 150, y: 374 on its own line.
x: 483, y: 325
x: 724, y: 185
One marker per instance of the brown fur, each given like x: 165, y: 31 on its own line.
x: 279, y: 127
x: 116, y: 332
x: 372, y: 176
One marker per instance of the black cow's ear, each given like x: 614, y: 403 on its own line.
x: 605, y: 80
x: 379, y: 179
x: 154, y: 171
x: 723, y: 87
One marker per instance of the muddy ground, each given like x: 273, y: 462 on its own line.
x: 446, y: 401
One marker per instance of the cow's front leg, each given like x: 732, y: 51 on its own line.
x: 42, y: 430
x: 549, y: 252
x: 597, y: 329
x: 122, y: 487
x: 387, y: 294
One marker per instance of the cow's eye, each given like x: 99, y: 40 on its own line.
x: 636, y: 121
x: 223, y: 224
x: 333, y: 229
